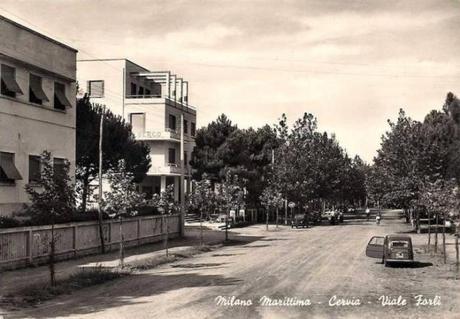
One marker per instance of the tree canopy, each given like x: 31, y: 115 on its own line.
x: 118, y: 143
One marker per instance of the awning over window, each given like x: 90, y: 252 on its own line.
x: 62, y: 98
x: 9, y: 78
x: 36, y: 87
x: 8, y: 167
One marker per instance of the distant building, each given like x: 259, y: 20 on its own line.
x: 153, y: 102
x: 37, y: 108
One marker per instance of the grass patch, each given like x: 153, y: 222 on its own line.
x: 40, y: 293
x: 173, y: 256
x: 152, y: 262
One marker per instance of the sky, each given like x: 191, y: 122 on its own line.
x: 352, y: 64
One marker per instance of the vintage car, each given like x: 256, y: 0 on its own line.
x: 300, y: 220
x: 331, y: 216
x: 391, y: 249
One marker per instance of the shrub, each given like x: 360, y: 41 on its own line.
x: 9, y: 222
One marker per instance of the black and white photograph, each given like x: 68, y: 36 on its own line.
x: 266, y: 159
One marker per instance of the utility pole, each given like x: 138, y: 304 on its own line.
x: 181, y: 188
x: 101, y: 232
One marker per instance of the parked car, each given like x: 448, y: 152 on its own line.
x: 300, y: 220
x: 391, y: 249
x: 330, y: 216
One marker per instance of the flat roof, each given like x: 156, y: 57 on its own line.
x: 37, y: 33
x: 113, y: 59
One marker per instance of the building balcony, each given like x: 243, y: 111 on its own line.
x: 158, y: 99
x: 170, y: 169
x: 166, y: 135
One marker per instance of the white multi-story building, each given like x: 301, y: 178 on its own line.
x: 37, y: 108
x: 154, y: 103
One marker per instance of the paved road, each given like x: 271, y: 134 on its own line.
x: 315, y: 264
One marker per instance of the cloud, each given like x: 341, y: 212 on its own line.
x: 209, y: 36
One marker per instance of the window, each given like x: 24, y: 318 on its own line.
x: 9, y: 86
x: 185, y: 159
x: 193, y: 129
x: 172, y: 122
x: 60, y: 99
x: 137, y: 121
x: 96, y: 88
x: 133, y: 89
x: 141, y: 90
x: 8, y: 171
x: 147, y: 92
x: 34, y: 169
x: 185, y: 127
x: 36, y: 93
x: 172, y: 156
x: 59, y: 166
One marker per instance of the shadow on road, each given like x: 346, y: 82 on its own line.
x: 203, y: 265
x: 131, y: 291
x: 273, y: 239
x: 415, y: 264
x: 225, y: 255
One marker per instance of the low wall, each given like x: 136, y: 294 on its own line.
x: 24, y: 246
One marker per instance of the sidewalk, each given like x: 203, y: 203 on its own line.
x: 16, y: 280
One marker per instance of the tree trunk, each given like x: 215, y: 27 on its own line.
x: 84, y: 194
x: 429, y: 230
x: 201, y: 227
x: 122, y: 253
x: 167, y: 238
x: 101, y: 231
x: 444, y: 236
x: 226, y: 226
x: 277, y: 210
x: 266, y: 217
x: 457, y: 261
x: 418, y: 222
x: 436, y: 234
x: 285, y: 212
x: 52, y: 257
x: 164, y: 232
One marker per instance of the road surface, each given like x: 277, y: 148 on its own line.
x: 323, y: 270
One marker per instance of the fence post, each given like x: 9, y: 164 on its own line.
x: 29, y: 245
x: 75, y: 238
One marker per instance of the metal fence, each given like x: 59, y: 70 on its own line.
x: 24, y: 246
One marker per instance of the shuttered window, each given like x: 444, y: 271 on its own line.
x: 34, y: 169
x: 60, y: 99
x: 9, y: 86
x: 96, y: 88
x: 8, y: 171
x: 36, y: 93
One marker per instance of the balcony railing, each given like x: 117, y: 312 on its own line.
x: 159, y: 96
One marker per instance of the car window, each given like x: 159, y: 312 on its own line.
x: 377, y: 241
x: 399, y: 244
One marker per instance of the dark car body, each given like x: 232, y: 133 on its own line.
x: 391, y: 249
x: 300, y: 220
